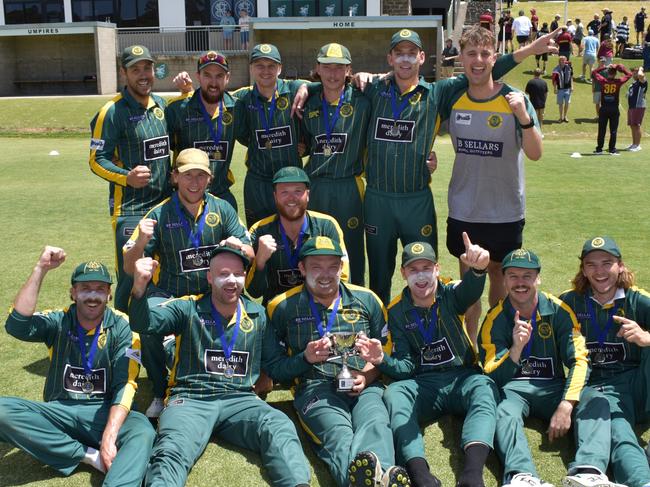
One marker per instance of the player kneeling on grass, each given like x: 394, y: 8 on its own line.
x: 614, y: 316
x: 435, y: 364
x: 340, y: 408
x: 526, y: 341
x: 89, y: 388
x: 221, y: 341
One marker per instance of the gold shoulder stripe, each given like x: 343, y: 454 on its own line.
x: 270, y: 308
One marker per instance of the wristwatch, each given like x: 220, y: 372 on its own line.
x: 529, y: 125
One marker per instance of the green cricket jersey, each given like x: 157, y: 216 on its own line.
x: 115, y: 365
x: 281, y: 271
x: 447, y: 345
x: 347, y: 142
x: 200, y: 369
x: 187, y: 128
x: 399, y: 143
x: 272, y: 149
x: 610, y: 355
x: 556, y: 341
x: 183, y: 265
x: 126, y: 135
x: 291, y: 317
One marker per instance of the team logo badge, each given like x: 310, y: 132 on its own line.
x: 598, y: 242
x: 519, y: 253
x: 405, y: 33
x: 137, y: 50
x: 324, y: 243
x: 353, y: 222
x: 620, y: 312
x: 350, y: 315
x: 314, y: 114
x: 417, y: 249
x: 426, y: 230
x: 212, y: 219
x: 544, y: 330
x: 265, y: 48
x: 415, y: 99
x: 101, y: 341
x: 495, y: 121
x: 246, y: 324
x: 346, y: 110
x: 282, y: 103
x: 158, y: 113
x: 226, y: 118
x: 93, y: 265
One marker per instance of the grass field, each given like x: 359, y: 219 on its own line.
x: 56, y: 200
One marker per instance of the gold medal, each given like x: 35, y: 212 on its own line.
x: 599, y: 357
x: 268, y: 144
x: 327, y: 150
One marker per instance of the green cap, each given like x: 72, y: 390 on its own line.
x: 416, y: 251
x: 268, y: 51
x: 522, y: 258
x: 291, y: 174
x: 219, y: 249
x: 133, y: 54
x: 91, y: 271
x: 321, y: 246
x: 334, y: 54
x: 213, y: 57
x: 405, y: 35
x: 606, y: 244
x: 192, y: 159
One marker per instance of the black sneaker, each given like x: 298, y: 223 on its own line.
x: 395, y: 476
x: 365, y: 470
x: 598, y: 152
x: 614, y: 152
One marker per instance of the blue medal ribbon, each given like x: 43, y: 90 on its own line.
x: 330, y: 319
x: 215, y: 136
x: 194, y: 236
x: 260, y: 109
x: 292, y: 255
x: 227, y: 346
x: 397, y: 111
x: 529, y: 345
x: 602, y: 332
x: 329, y: 127
x: 427, y: 333
x: 87, y: 359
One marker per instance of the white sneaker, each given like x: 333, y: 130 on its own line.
x: 636, y: 148
x: 588, y: 480
x: 155, y: 408
x: 527, y: 480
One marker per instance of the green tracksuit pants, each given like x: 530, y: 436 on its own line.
x: 409, y: 217
x: 243, y: 419
x: 343, y: 200
x: 462, y: 392
x: 341, y: 426
x: 522, y: 398
x: 58, y: 434
x: 155, y: 358
x: 258, y: 199
x: 123, y: 227
x: 627, y: 393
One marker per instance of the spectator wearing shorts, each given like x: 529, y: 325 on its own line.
x: 636, y: 102
x: 522, y: 26
x: 227, y: 22
x: 244, y: 21
x: 537, y: 91
x: 562, y: 86
x: 579, y: 35
x: 591, y: 44
x: 639, y: 24
x: 622, y: 36
x: 563, y: 42
x: 543, y: 57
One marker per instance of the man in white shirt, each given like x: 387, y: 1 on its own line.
x: 521, y: 26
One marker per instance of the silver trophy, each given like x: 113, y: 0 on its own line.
x: 343, y: 345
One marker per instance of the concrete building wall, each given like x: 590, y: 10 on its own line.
x: 7, y: 65
x: 105, y: 57
x: 396, y: 7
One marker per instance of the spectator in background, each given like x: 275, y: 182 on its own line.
x: 555, y: 23
x: 595, y: 24
x: 522, y: 27
x: 646, y: 51
x: 562, y: 86
x: 622, y: 36
x: 636, y: 102
x: 505, y: 32
x: 591, y: 45
x: 609, y: 99
x: 544, y: 57
x: 571, y: 28
x: 639, y: 24
x: 534, y: 19
x: 449, y: 55
x: 486, y: 20
x: 595, y: 87
x: 227, y: 23
x: 606, y: 25
x: 606, y: 50
x: 244, y: 28
x: 579, y: 35
x: 563, y: 41
x: 537, y: 90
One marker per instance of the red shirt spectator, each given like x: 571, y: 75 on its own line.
x: 563, y: 41
x: 606, y: 49
x: 534, y: 19
x: 486, y: 20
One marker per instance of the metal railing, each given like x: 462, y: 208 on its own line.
x: 182, y: 40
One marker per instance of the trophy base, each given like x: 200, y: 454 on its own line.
x: 345, y: 384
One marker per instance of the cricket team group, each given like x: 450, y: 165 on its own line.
x: 367, y: 369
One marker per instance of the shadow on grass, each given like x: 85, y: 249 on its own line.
x: 586, y: 120
x: 40, y: 367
